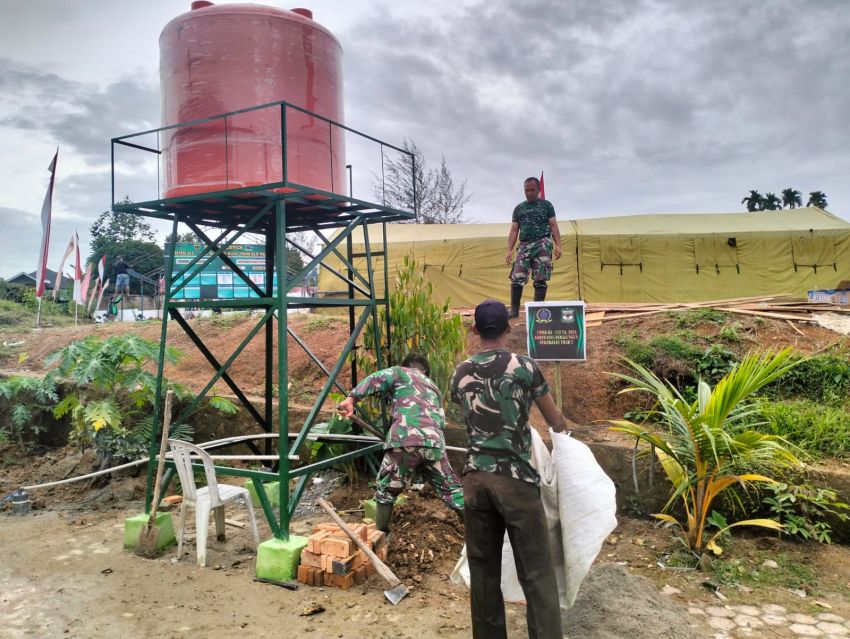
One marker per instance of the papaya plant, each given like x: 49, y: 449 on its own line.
x: 707, y: 446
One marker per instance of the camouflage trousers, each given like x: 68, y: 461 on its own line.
x: 402, y: 464
x: 533, y: 257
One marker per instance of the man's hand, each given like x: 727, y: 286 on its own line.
x: 557, y: 251
x: 346, y: 407
x: 509, y: 257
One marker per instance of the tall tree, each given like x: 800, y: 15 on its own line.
x: 818, y: 199
x: 754, y: 201
x: 792, y: 198
x: 437, y: 199
x: 117, y: 233
x: 772, y: 202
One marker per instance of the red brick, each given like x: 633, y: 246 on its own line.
x: 382, y: 552
x: 360, y: 574
x: 343, y: 581
x: 377, y: 538
x: 328, y: 578
x: 311, y: 559
x: 337, y: 546
x: 327, y: 526
x: 314, y: 541
x: 370, y: 569
x: 302, y: 574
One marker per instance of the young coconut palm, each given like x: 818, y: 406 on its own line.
x: 705, y: 448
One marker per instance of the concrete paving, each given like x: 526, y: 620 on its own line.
x: 769, y: 621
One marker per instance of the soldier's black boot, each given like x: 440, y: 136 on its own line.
x: 540, y: 292
x: 383, y: 514
x: 516, y: 297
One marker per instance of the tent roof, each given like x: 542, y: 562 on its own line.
x: 801, y: 219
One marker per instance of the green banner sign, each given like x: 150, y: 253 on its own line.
x: 556, y: 331
x: 217, y: 280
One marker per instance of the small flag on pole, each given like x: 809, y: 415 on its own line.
x: 46, y: 212
x: 86, y: 282
x: 65, y: 257
x: 103, y: 287
x: 542, y: 188
x: 78, y: 271
x: 101, y: 267
x: 93, y: 296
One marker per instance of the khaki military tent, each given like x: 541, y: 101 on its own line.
x: 641, y: 258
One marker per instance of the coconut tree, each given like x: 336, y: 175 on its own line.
x: 754, y: 201
x: 818, y: 199
x: 792, y: 198
x: 703, y: 446
x: 771, y: 202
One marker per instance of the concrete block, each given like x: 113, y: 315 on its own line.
x: 272, y: 492
x: 279, y: 559
x: 133, y: 528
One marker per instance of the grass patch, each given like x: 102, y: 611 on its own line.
x: 317, y: 323
x: 697, y: 316
x: 819, y: 429
x: 224, y: 320
x: 752, y: 572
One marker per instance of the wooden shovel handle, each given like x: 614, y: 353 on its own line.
x: 380, y: 566
x: 166, y: 424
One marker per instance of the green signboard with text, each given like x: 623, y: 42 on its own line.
x: 556, y: 331
x: 217, y: 281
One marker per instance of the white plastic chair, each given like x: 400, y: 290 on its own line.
x: 213, y: 497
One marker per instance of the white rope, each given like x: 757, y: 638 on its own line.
x: 222, y: 442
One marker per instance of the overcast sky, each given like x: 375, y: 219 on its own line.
x: 628, y: 106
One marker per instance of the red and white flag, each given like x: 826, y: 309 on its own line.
x: 101, y: 267
x: 65, y: 257
x: 78, y: 272
x: 93, y: 296
x: 103, y: 287
x: 46, y: 208
x: 86, y: 282
x: 542, y: 188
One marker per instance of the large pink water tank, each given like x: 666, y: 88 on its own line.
x: 221, y: 58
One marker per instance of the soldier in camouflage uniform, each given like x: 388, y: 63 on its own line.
x: 534, y: 222
x: 415, y: 442
x: 495, y: 389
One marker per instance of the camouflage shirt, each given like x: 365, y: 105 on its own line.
x: 533, y: 219
x: 495, y: 390
x: 417, y: 412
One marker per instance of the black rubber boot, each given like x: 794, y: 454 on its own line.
x: 383, y: 514
x: 540, y: 292
x: 516, y: 297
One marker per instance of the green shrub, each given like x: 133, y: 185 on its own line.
x: 418, y: 324
x: 820, y: 378
x: 802, y: 509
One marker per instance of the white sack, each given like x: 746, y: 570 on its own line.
x: 579, y: 503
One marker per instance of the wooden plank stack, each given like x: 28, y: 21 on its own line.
x: 332, y: 559
x: 782, y: 307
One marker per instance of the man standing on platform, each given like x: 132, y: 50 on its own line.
x: 535, y: 224
x: 122, y: 277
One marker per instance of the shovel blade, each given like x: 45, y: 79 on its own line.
x: 148, y: 538
x: 396, y: 593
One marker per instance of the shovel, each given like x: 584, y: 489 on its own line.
x: 398, y: 590
x: 367, y: 426
x: 146, y: 546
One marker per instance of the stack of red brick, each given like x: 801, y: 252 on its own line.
x: 331, y: 558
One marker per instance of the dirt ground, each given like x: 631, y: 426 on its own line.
x: 64, y: 573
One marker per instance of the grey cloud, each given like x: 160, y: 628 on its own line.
x: 80, y: 115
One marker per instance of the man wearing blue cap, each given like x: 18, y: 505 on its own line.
x: 495, y: 389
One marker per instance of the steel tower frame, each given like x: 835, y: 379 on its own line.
x: 273, y: 211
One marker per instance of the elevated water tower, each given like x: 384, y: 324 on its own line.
x: 253, y: 142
